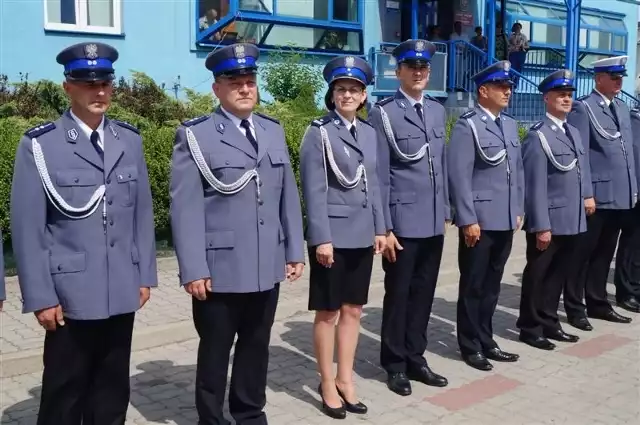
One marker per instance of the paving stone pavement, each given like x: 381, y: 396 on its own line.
x: 596, y: 381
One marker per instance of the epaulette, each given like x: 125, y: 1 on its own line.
x: 537, y: 125
x: 468, y: 114
x: 267, y: 117
x: 40, y: 129
x: 194, y: 121
x: 364, y: 121
x: 384, y: 101
x: 585, y: 97
x: 321, y: 121
x: 126, y: 125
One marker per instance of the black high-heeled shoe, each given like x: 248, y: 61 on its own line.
x: 359, y: 408
x: 332, y: 412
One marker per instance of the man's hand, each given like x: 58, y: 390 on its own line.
x: 447, y: 224
x: 543, y: 239
x: 380, y: 244
x: 294, y: 271
x: 324, y: 254
x: 50, y: 318
x: 518, y: 222
x: 589, y: 206
x: 198, y: 288
x: 471, y: 234
x: 145, y: 294
x: 392, y: 245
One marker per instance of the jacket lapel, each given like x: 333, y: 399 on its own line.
x: 82, y: 145
x: 231, y: 135
x: 603, y: 105
x: 491, y: 125
x: 410, y: 113
x: 344, y: 133
x: 262, y: 137
x: 113, y: 146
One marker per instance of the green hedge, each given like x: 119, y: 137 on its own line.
x: 157, y: 114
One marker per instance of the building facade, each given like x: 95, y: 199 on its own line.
x: 168, y: 40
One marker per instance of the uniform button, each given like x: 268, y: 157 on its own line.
x: 112, y: 243
x: 111, y: 222
x: 110, y: 201
x: 364, y: 204
x: 59, y: 267
x: 129, y: 175
x: 226, y: 162
x: 260, y: 183
x: 260, y: 202
x: 108, y: 181
x: 261, y: 221
x: 363, y: 189
x: 76, y: 180
x: 119, y: 176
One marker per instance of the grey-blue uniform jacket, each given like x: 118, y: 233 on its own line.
x: 346, y: 218
x: 93, y: 267
x: 554, y: 199
x: 612, y: 162
x: 240, y: 241
x: 491, y: 195
x: 414, y: 187
x: 635, y: 129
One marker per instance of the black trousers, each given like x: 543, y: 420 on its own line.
x: 627, y: 273
x: 409, y: 285
x: 86, y: 372
x: 603, y: 229
x: 481, y: 270
x: 545, y: 276
x: 218, y: 320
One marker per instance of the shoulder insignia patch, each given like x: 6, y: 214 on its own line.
x: 385, y: 101
x: 267, y: 117
x: 126, y: 125
x: 585, y: 97
x: 40, y: 129
x: 537, y: 125
x: 364, y: 121
x: 194, y: 121
x: 468, y: 114
x: 321, y: 121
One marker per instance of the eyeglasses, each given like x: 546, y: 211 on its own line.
x: 352, y: 90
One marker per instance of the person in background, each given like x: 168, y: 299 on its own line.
x: 502, y: 43
x: 83, y: 237
x: 345, y: 226
x: 558, y: 198
x: 517, y: 47
x: 479, y: 40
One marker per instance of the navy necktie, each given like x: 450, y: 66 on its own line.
x: 95, y: 138
x: 418, y: 107
x: 247, y: 131
x: 353, y: 132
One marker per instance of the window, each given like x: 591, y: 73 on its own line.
x: 322, y: 26
x: 93, y: 16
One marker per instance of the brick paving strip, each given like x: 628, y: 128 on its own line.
x: 596, y: 381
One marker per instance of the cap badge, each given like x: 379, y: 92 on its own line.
x: 623, y: 61
x: 507, y: 66
x: 91, y: 51
x: 239, y: 51
x: 567, y: 74
x: 349, y: 61
x: 73, y: 134
x: 419, y: 46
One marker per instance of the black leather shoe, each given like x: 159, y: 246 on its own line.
x: 399, y: 383
x: 501, y: 356
x: 581, y: 323
x: 332, y: 412
x: 427, y: 377
x: 630, y: 304
x: 539, y: 342
x: 477, y: 361
x: 560, y: 335
x: 610, y: 316
x: 359, y: 408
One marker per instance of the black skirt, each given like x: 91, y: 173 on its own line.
x: 345, y: 282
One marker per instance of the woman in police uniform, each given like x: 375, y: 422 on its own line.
x: 344, y: 227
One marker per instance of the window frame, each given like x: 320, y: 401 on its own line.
x: 81, y: 14
x: 273, y: 18
x: 586, y: 12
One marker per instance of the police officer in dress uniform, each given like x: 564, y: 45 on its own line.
x: 345, y: 225
x: 629, y: 270
x: 237, y: 227
x: 412, y: 171
x: 604, y: 124
x: 84, y: 242
x: 486, y: 181
x: 558, y: 182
